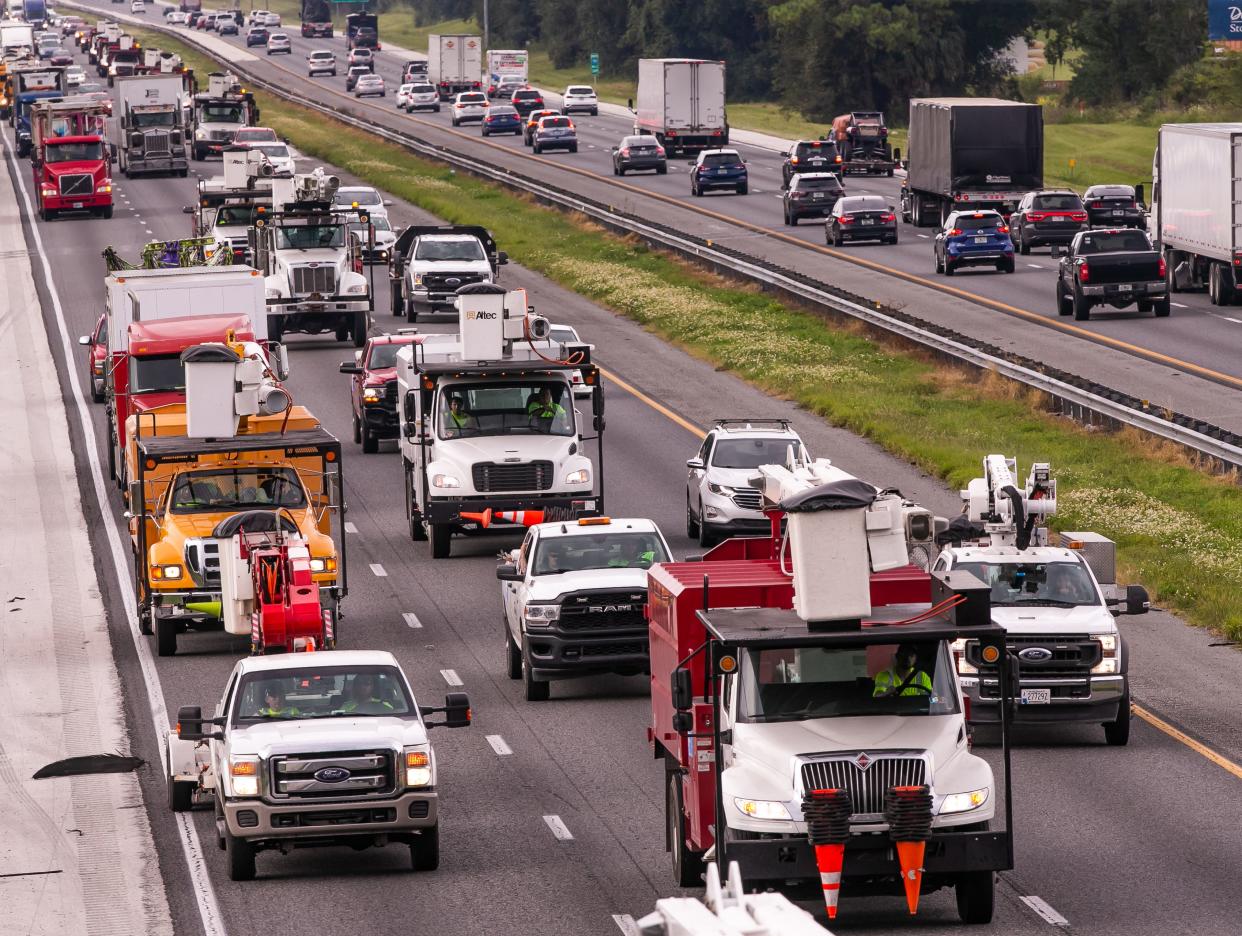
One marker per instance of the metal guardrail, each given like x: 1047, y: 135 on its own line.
x: 1080, y: 398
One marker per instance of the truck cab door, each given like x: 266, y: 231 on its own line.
x: 515, y: 592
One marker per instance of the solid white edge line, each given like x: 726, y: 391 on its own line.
x: 625, y: 923
x: 1044, y: 911
x: 1178, y: 305
x: 411, y: 620
x: 196, y: 866
x: 451, y: 677
x: 378, y: 570
x: 498, y: 745
x: 559, y: 829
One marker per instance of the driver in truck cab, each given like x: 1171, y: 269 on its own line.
x: 459, y: 418
x: 904, y: 677
x: 632, y: 555
x: 275, y: 705
x: 364, y: 697
x: 544, y: 407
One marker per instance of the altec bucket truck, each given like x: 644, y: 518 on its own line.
x: 805, y: 704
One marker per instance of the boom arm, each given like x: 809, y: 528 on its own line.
x: 1008, y: 514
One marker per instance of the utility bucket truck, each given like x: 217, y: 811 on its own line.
x: 235, y: 509
x: 806, y: 708
x: 230, y: 204
x: 312, y: 267
x: 1056, y: 601
x: 219, y: 112
x: 488, y: 422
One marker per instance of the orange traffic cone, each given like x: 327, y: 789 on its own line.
x: 483, y: 519
x: 910, y: 856
x: 524, y: 517
x: 830, y: 858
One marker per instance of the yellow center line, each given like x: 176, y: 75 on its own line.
x: 1219, y: 760
x: 654, y: 404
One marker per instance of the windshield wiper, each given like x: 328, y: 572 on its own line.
x: 1037, y: 602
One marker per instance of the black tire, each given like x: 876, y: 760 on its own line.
x: 397, y: 301
x: 275, y: 330
x: 948, y: 267
x: 183, y: 172
x: 1023, y: 247
x: 1082, y: 307
x: 97, y: 396
x: 411, y: 311
x: 1006, y: 266
x: 240, y: 857
x: 1064, y: 306
x: 370, y: 442
x: 976, y: 897
x: 342, y: 333
x: 662, y: 170
x: 688, y: 866
x: 198, y: 155
x: 180, y: 795
x: 165, y: 636
x: 537, y: 148
x: 574, y: 148
x: 536, y: 690
x: 357, y: 431
x: 707, y: 539
x: 1162, y: 307
x: 441, y: 538
x: 692, y: 525
x: 425, y: 850
x: 513, y: 653
x: 792, y: 220
x: 359, y: 330
x: 743, y: 188
x: 1117, y: 731
x: 893, y: 239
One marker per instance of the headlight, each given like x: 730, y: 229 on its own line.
x: 963, y: 802
x: 323, y: 565
x: 964, y: 666
x: 371, y: 394
x: 1109, y: 664
x: 356, y: 289
x: 719, y: 488
x: 200, y: 134
x: 106, y: 188
x: 417, y: 768
x: 418, y: 279
x: 166, y: 572
x: 1108, y: 642
x: 581, y: 476
x: 445, y: 481
x: 245, y: 772
x: 541, y: 616
x: 761, y: 809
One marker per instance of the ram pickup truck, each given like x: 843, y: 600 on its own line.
x: 309, y: 750
x: 1115, y: 268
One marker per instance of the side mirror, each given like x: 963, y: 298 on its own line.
x: 502, y: 258
x: 695, y: 464
x: 683, y: 689
x: 282, y: 362
x: 1137, y: 600
x: 387, y: 202
x: 349, y: 367
x: 84, y: 339
x: 597, y: 401
x: 411, y: 415
x: 1057, y: 250
x: 507, y: 572
x: 896, y: 155
x: 630, y: 103
x: 190, y: 723
x: 189, y: 209
x: 456, y: 709
x: 1139, y: 191
x: 135, y: 497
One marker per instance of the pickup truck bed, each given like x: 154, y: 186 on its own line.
x: 1111, y: 268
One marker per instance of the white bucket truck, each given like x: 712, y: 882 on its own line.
x: 488, y: 421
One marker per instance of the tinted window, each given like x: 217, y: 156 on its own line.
x: 237, y: 489
x: 1119, y: 241
x: 1110, y: 191
x: 503, y: 110
x: 309, y: 237
x: 864, y: 203
x: 579, y: 89
x: 716, y: 160
x: 988, y: 222
x: 156, y: 372
x: 473, y: 98
x: 555, y: 122
x: 829, y: 184
x: 802, y: 150
x: 1030, y: 583
x: 72, y: 152
x: 422, y: 88
x: 384, y: 355
x: 449, y: 250
x: 1057, y: 203
x: 527, y: 95
x: 597, y: 551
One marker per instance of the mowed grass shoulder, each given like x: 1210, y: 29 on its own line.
x: 1179, y: 530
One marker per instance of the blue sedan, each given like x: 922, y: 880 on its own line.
x: 973, y: 238
x: 501, y: 118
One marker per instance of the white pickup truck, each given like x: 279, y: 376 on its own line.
x: 317, y: 749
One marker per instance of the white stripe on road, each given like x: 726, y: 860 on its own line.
x: 378, y: 570
x: 924, y: 236
x: 498, y: 745
x: 1235, y: 321
x: 349, y: 527
x: 1045, y: 912
x: 1036, y: 266
x: 558, y: 828
x: 625, y: 923
x: 451, y: 677
x: 411, y: 620
x: 1178, y: 305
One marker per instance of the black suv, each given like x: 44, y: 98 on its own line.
x: 1045, y: 218
x: 527, y: 100
x: 811, y: 195
x: 810, y: 156
x: 1113, y: 206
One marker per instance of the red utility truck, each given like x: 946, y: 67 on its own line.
x: 69, y: 156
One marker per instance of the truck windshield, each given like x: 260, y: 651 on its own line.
x: 143, y: 119
x: 555, y: 555
x: 322, y: 692
x: 449, y: 250
x: 220, y: 113
x: 384, y: 355
x: 801, y: 683
x: 528, y: 407
x: 73, y: 152
x: 235, y: 215
x: 237, y: 489
x: 751, y: 453
x: 1030, y: 583
x: 156, y: 373
x: 310, y: 236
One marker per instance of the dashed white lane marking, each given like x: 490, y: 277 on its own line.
x: 1045, y: 912
x: 349, y: 527
x: 451, y: 677
x: 1178, y: 305
x: 924, y: 236
x: 1235, y: 321
x: 625, y: 923
x: 379, y: 570
x: 148, y: 230
x: 411, y: 620
x: 498, y: 745
x: 1036, y: 266
x: 559, y: 829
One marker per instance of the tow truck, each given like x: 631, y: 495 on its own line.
x: 516, y: 442
x: 70, y: 157
x: 1053, y: 599
x: 235, y: 510
x: 862, y: 137
x: 345, y: 760
x: 805, y: 705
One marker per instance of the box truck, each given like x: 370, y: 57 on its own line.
x: 454, y: 64
x: 681, y: 102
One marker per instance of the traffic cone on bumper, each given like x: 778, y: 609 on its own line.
x: 483, y: 519
x: 827, y: 814
x: 908, y: 811
x: 523, y: 517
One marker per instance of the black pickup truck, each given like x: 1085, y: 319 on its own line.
x: 1116, y: 268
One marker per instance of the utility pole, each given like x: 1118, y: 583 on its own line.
x: 486, y: 43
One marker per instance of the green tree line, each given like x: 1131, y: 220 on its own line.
x: 824, y: 57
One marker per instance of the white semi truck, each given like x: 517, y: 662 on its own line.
x: 1196, y: 207
x: 681, y: 102
x: 152, y: 128
x: 454, y: 64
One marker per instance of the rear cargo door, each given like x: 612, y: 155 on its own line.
x: 709, y: 96
x: 1236, y: 213
x: 679, y: 91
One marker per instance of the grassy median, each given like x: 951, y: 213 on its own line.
x: 1179, y: 529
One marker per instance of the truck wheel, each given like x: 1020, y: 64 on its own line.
x: 1082, y: 307
x: 688, y: 865
x: 976, y: 897
x: 441, y: 535
x: 398, y: 303
x: 48, y: 214
x: 536, y: 690
x: 1162, y: 307
x: 180, y: 795
x: 425, y: 850
x: 199, y: 154
x: 97, y: 391
x: 1064, y: 306
x: 165, y: 636
x: 241, y: 858
x: 1117, y: 732
x: 107, y: 213
x: 359, y: 330
x: 411, y: 311
x: 692, y: 525
x: 513, y: 653
x: 342, y: 333
x: 183, y: 172
x: 357, y: 431
x: 370, y: 443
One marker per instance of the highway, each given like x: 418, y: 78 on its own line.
x: 1137, y: 840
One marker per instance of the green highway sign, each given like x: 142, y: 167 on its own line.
x: 594, y: 63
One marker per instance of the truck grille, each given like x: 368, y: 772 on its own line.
x: 304, y: 776
x: 1070, y: 655
x: 607, y: 611
x: 155, y: 143
x: 626, y: 648
x: 202, y: 558
x: 83, y: 184
x: 220, y: 135
x: 320, y: 279
x: 390, y: 392
x: 490, y: 477
x: 748, y: 500
x: 866, y: 785
x: 450, y: 282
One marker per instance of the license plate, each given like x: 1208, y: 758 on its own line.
x: 818, y: 195
x: 1125, y: 287
x: 867, y: 221
x: 817, y: 162
x: 1118, y: 212
x: 721, y: 171
x: 981, y: 240
x: 78, y: 204
x: 1036, y: 696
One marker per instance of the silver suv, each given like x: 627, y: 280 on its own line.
x: 720, y: 501
x: 321, y: 62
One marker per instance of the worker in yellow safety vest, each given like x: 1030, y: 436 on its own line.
x: 903, y: 678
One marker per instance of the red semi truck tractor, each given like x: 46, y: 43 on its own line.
x: 70, y: 157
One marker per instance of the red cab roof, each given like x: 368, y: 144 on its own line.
x: 171, y: 336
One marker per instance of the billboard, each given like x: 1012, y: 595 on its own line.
x: 1225, y: 19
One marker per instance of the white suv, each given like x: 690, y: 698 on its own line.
x: 720, y: 500
x: 580, y: 99
x: 321, y: 62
